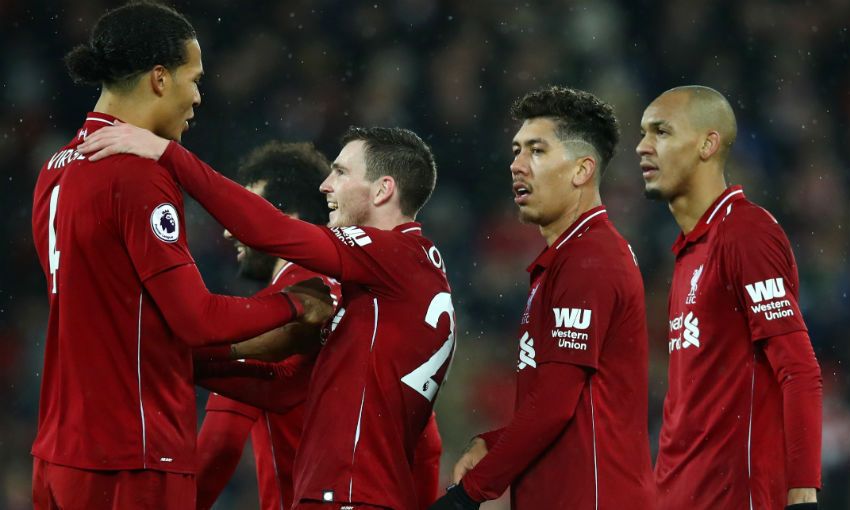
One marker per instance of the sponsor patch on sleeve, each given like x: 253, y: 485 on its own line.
x: 165, y: 223
x: 352, y: 236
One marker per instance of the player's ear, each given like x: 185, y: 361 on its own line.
x: 158, y: 77
x: 710, y: 145
x: 584, y: 171
x: 383, y: 190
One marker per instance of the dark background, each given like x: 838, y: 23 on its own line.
x: 301, y: 70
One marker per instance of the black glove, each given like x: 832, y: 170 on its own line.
x: 456, y: 499
x: 802, y: 506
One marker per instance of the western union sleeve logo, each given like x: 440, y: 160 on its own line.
x: 576, y: 318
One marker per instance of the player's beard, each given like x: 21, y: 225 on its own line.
x: 256, y: 265
x: 654, y: 194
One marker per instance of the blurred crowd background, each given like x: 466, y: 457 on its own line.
x: 305, y: 70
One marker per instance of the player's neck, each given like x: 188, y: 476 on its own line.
x: 125, y: 107
x: 587, y: 200
x: 388, y: 221
x: 689, y: 207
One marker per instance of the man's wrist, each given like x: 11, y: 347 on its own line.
x: 297, y: 306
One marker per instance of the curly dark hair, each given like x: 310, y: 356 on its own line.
x: 402, y: 155
x: 578, y: 114
x: 293, y: 173
x: 128, y: 41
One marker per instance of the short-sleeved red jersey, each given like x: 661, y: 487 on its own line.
x: 586, y: 307
x: 734, y: 283
x: 275, y: 436
x: 100, y: 230
x: 376, y: 378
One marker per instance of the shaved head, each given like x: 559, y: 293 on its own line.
x: 708, y: 110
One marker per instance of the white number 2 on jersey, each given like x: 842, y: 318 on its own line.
x: 421, y: 379
x: 52, y: 253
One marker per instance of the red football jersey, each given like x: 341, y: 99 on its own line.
x: 734, y: 283
x: 389, y: 347
x: 117, y: 389
x: 586, y: 307
x: 275, y: 436
x: 376, y: 379
x: 100, y: 230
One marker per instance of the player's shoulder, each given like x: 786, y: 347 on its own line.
x: 745, y: 220
x: 601, y: 242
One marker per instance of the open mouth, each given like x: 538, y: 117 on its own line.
x: 333, y: 206
x: 649, y: 170
x: 521, y: 192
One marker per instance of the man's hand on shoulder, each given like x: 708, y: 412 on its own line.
x: 455, y: 499
x: 123, y: 138
x: 316, y: 299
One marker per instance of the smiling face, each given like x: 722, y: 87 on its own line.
x: 542, y: 172
x: 347, y: 189
x: 181, y: 95
x: 669, y: 149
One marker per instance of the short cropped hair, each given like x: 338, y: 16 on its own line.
x: 579, y: 115
x: 402, y: 155
x: 128, y: 41
x: 293, y: 173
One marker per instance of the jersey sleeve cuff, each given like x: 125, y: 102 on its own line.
x: 295, y: 304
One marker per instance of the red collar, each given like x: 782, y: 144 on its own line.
x: 95, y: 121
x: 709, y: 218
x: 411, y: 227
x: 579, y: 226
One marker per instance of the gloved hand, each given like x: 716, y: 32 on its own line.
x: 802, y: 506
x: 456, y: 499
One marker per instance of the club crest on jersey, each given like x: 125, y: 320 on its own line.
x: 525, y: 314
x: 165, y: 223
x: 692, y: 295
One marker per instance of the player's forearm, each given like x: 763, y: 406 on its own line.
x: 275, y: 387
x: 796, y: 368
x: 249, y: 217
x: 533, y: 428
x: 199, y: 318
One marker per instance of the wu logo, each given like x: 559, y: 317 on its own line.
x: 526, y: 352
x: 766, y: 290
x: 692, y: 295
x: 572, y: 318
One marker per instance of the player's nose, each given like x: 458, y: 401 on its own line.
x: 325, y: 187
x: 644, y: 148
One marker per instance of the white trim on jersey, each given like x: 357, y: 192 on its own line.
x: 595, y: 468
x: 411, y: 229
x: 750, y: 433
x: 139, y: 375
x: 717, y: 208
x: 362, y: 401
x: 101, y: 120
x: 280, y: 273
x: 375, y: 330
x: 274, y: 458
x: 356, y: 440
x: 597, y: 213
